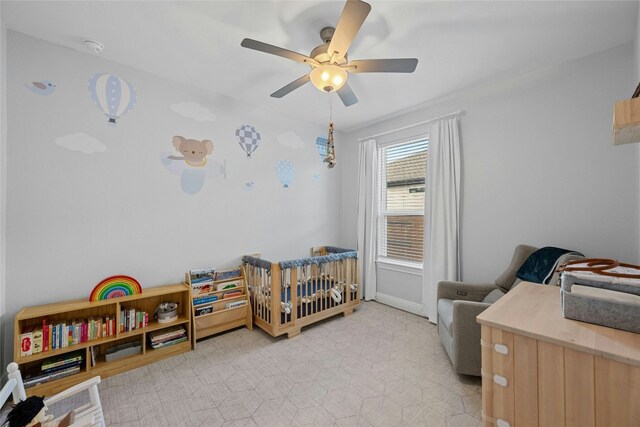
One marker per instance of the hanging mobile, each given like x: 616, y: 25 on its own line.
x: 330, y: 159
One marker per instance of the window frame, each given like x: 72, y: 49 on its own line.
x: 383, y: 260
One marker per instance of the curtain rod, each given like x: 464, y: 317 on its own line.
x: 456, y: 113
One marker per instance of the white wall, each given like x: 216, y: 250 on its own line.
x: 399, y: 286
x: 74, y: 219
x: 538, y: 166
x: 3, y: 181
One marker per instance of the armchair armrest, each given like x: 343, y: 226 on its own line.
x: 467, y: 357
x: 465, y: 313
x: 464, y: 291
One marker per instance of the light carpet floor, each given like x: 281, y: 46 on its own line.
x: 379, y: 367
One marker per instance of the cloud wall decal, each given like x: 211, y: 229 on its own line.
x: 194, y: 111
x: 82, y: 142
x: 291, y: 140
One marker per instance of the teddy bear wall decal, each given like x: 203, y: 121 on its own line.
x: 192, y: 165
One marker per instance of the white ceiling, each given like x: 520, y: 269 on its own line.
x: 459, y: 44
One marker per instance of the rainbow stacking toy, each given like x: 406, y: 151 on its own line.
x: 115, y: 287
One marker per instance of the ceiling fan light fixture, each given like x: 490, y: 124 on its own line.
x: 328, y: 77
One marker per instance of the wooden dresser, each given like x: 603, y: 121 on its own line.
x: 540, y: 369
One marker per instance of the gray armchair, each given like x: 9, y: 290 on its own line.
x: 459, y: 303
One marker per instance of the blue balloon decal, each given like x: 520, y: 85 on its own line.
x: 321, y: 146
x: 248, y: 138
x: 285, y: 170
x: 113, y: 95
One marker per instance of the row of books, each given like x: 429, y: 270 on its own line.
x: 213, y: 275
x: 166, y: 337
x: 55, y: 368
x: 131, y: 319
x: 207, y: 287
x: 208, y: 308
x: 53, y: 336
x: 38, y: 339
x: 211, y: 298
x: 202, y: 280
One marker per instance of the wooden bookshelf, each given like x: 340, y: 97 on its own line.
x: 221, y: 319
x: 147, y: 301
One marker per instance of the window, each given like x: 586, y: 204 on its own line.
x: 401, y: 202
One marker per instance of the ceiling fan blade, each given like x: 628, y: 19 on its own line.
x: 275, y: 50
x: 398, y: 65
x: 291, y: 86
x: 347, y: 96
x: 352, y: 18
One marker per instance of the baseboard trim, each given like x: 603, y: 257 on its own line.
x: 399, y: 303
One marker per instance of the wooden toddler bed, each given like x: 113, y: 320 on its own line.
x: 324, y: 285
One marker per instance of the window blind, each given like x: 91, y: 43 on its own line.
x: 401, y: 203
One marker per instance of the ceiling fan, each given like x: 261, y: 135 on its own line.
x: 329, y: 63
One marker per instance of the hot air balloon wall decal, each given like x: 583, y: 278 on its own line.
x: 248, y: 138
x: 113, y: 95
x: 285, y: 171
x: 321, y: 146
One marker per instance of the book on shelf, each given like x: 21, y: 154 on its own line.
x: 131, y: 319
x: 228, y: 285
x: 56, y: 367
x: 205, y: 299
x: 31, y: 381
x: 92, y: 353
x: 235, y: 304
x: 231, y: 294
x: 62, y: 359
x: 45, y: 336
x: 26, y: 341
x: 227, y: 274
x: 202, y: 274
x: 202, y: 310
x: 201, y: 288
x: 169, y: 343
x: 62, y: 367
x: 167, y: 337
x: 168, y: 333
x: 37, y: 340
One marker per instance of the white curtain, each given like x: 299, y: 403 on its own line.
x: 367, y: 216
x: 442, y: 211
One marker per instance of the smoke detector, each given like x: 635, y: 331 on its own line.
x: 95, y: 46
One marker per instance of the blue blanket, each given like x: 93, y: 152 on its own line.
x: 310, y: 287
x: 541, y: 264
